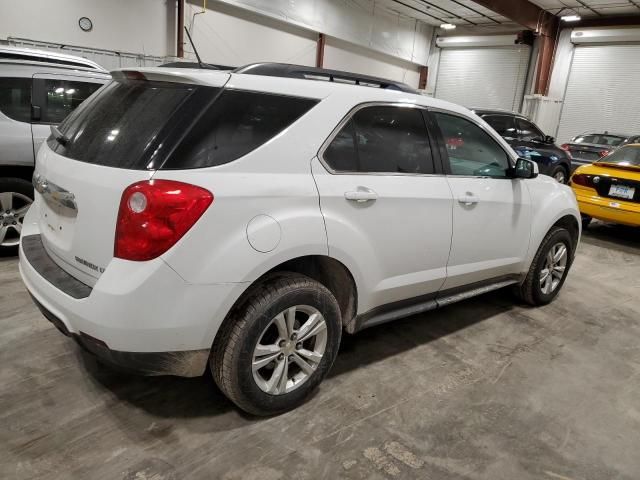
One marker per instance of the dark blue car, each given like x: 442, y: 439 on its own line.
x: 529, y: 142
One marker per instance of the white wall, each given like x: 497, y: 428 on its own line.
x: 340, y: 55
x: 229, y: 35
x: 561, y: 65
x: 138, y: 26
x: 362, y: 22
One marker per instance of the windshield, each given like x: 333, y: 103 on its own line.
x: 628, y: 156
x: 600, y: 139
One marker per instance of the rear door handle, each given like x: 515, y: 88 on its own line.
x: 361, y: 196
x: 468, y: 199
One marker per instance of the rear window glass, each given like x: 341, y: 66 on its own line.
x: 628, y: 156
x: 598, y: 139
x: 151, y: 125
x: 235, y: 124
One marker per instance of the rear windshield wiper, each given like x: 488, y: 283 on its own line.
x: 61, y: 138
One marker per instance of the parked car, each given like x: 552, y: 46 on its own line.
x: 609, y: 189
x: 529, y: 142
x: 193, y: 217
x: 37, y: 89
x: 587, y: 148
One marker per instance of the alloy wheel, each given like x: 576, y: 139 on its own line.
x: 554, y: 268
x: 560, y: 176
x: 13, y: 208
x: 289, y: 349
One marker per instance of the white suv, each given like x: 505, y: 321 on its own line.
x: 245, y: 219
x: 37, y: 89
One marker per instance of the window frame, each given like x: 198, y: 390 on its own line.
x: 429, y: 126
x: 444, y: 154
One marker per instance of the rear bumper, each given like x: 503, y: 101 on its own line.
x: 141, y: 316
x: 609, y: 210
x: 183, y: 364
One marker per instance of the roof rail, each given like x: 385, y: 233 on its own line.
x: 312, y: 73
x: 16, y: 54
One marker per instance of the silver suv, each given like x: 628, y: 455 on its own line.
x: 37, y: 89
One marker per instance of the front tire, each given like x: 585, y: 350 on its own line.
x: 549, y: 268
x: 277, y: 345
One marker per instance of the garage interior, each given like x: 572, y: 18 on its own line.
x: 483, y: 389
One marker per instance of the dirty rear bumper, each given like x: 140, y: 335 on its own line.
x: 183, y: 364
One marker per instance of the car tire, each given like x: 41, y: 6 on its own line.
x: 586, y: 221
x: 21, y: 192
x: 241, y: 340
x: 537, y: 288
x: 560, y: 174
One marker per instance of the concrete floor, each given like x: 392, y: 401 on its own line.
x: 480, y: 390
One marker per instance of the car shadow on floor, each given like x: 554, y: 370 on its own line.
x: 609, y: 235
x: 174, y: 397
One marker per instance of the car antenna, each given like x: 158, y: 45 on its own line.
x: 200, y: 64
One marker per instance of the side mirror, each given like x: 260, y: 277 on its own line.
x: 525, y: 169
x: 549, y: 139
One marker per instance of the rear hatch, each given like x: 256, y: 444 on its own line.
x: 119, y: 136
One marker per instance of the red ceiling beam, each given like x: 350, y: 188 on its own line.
x: 522, y: 12
x: 545, y: 24
x: 320, y: 50
x: 180, y: 36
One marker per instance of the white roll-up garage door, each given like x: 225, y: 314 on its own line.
x: 483, y: 77
x: 603, y: 91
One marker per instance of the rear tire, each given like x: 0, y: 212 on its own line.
x: 15, y: 195
x: 586, y: 221
x: 542, y: 283
x: 258, y: 332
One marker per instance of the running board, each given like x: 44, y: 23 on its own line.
x: 426, y: 303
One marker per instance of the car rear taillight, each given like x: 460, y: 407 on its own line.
x: 582, y: 179
x: 604, y: 153
x: 154, y: 215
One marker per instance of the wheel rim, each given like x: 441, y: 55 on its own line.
x: 554, y: 268
x: 560, y: 176
x: 13, y: 208
x: 289, y: 349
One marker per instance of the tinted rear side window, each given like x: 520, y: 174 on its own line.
x: 157, y: 125
x: 234, y: 125
x: 382, y: 139
x: 15, y: 98
x: 64, y: 96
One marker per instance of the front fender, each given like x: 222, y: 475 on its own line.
x: 551, y: 202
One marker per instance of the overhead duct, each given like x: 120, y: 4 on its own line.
x: 587, y: 36
x: 476, y: 41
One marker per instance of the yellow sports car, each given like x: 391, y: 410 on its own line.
x: 609, y: 189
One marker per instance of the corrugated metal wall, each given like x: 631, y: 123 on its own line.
x: 603, y: 91
x: 483, y: 77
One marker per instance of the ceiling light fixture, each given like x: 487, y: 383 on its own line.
x: 447, y: 26
x: 570, y: 18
